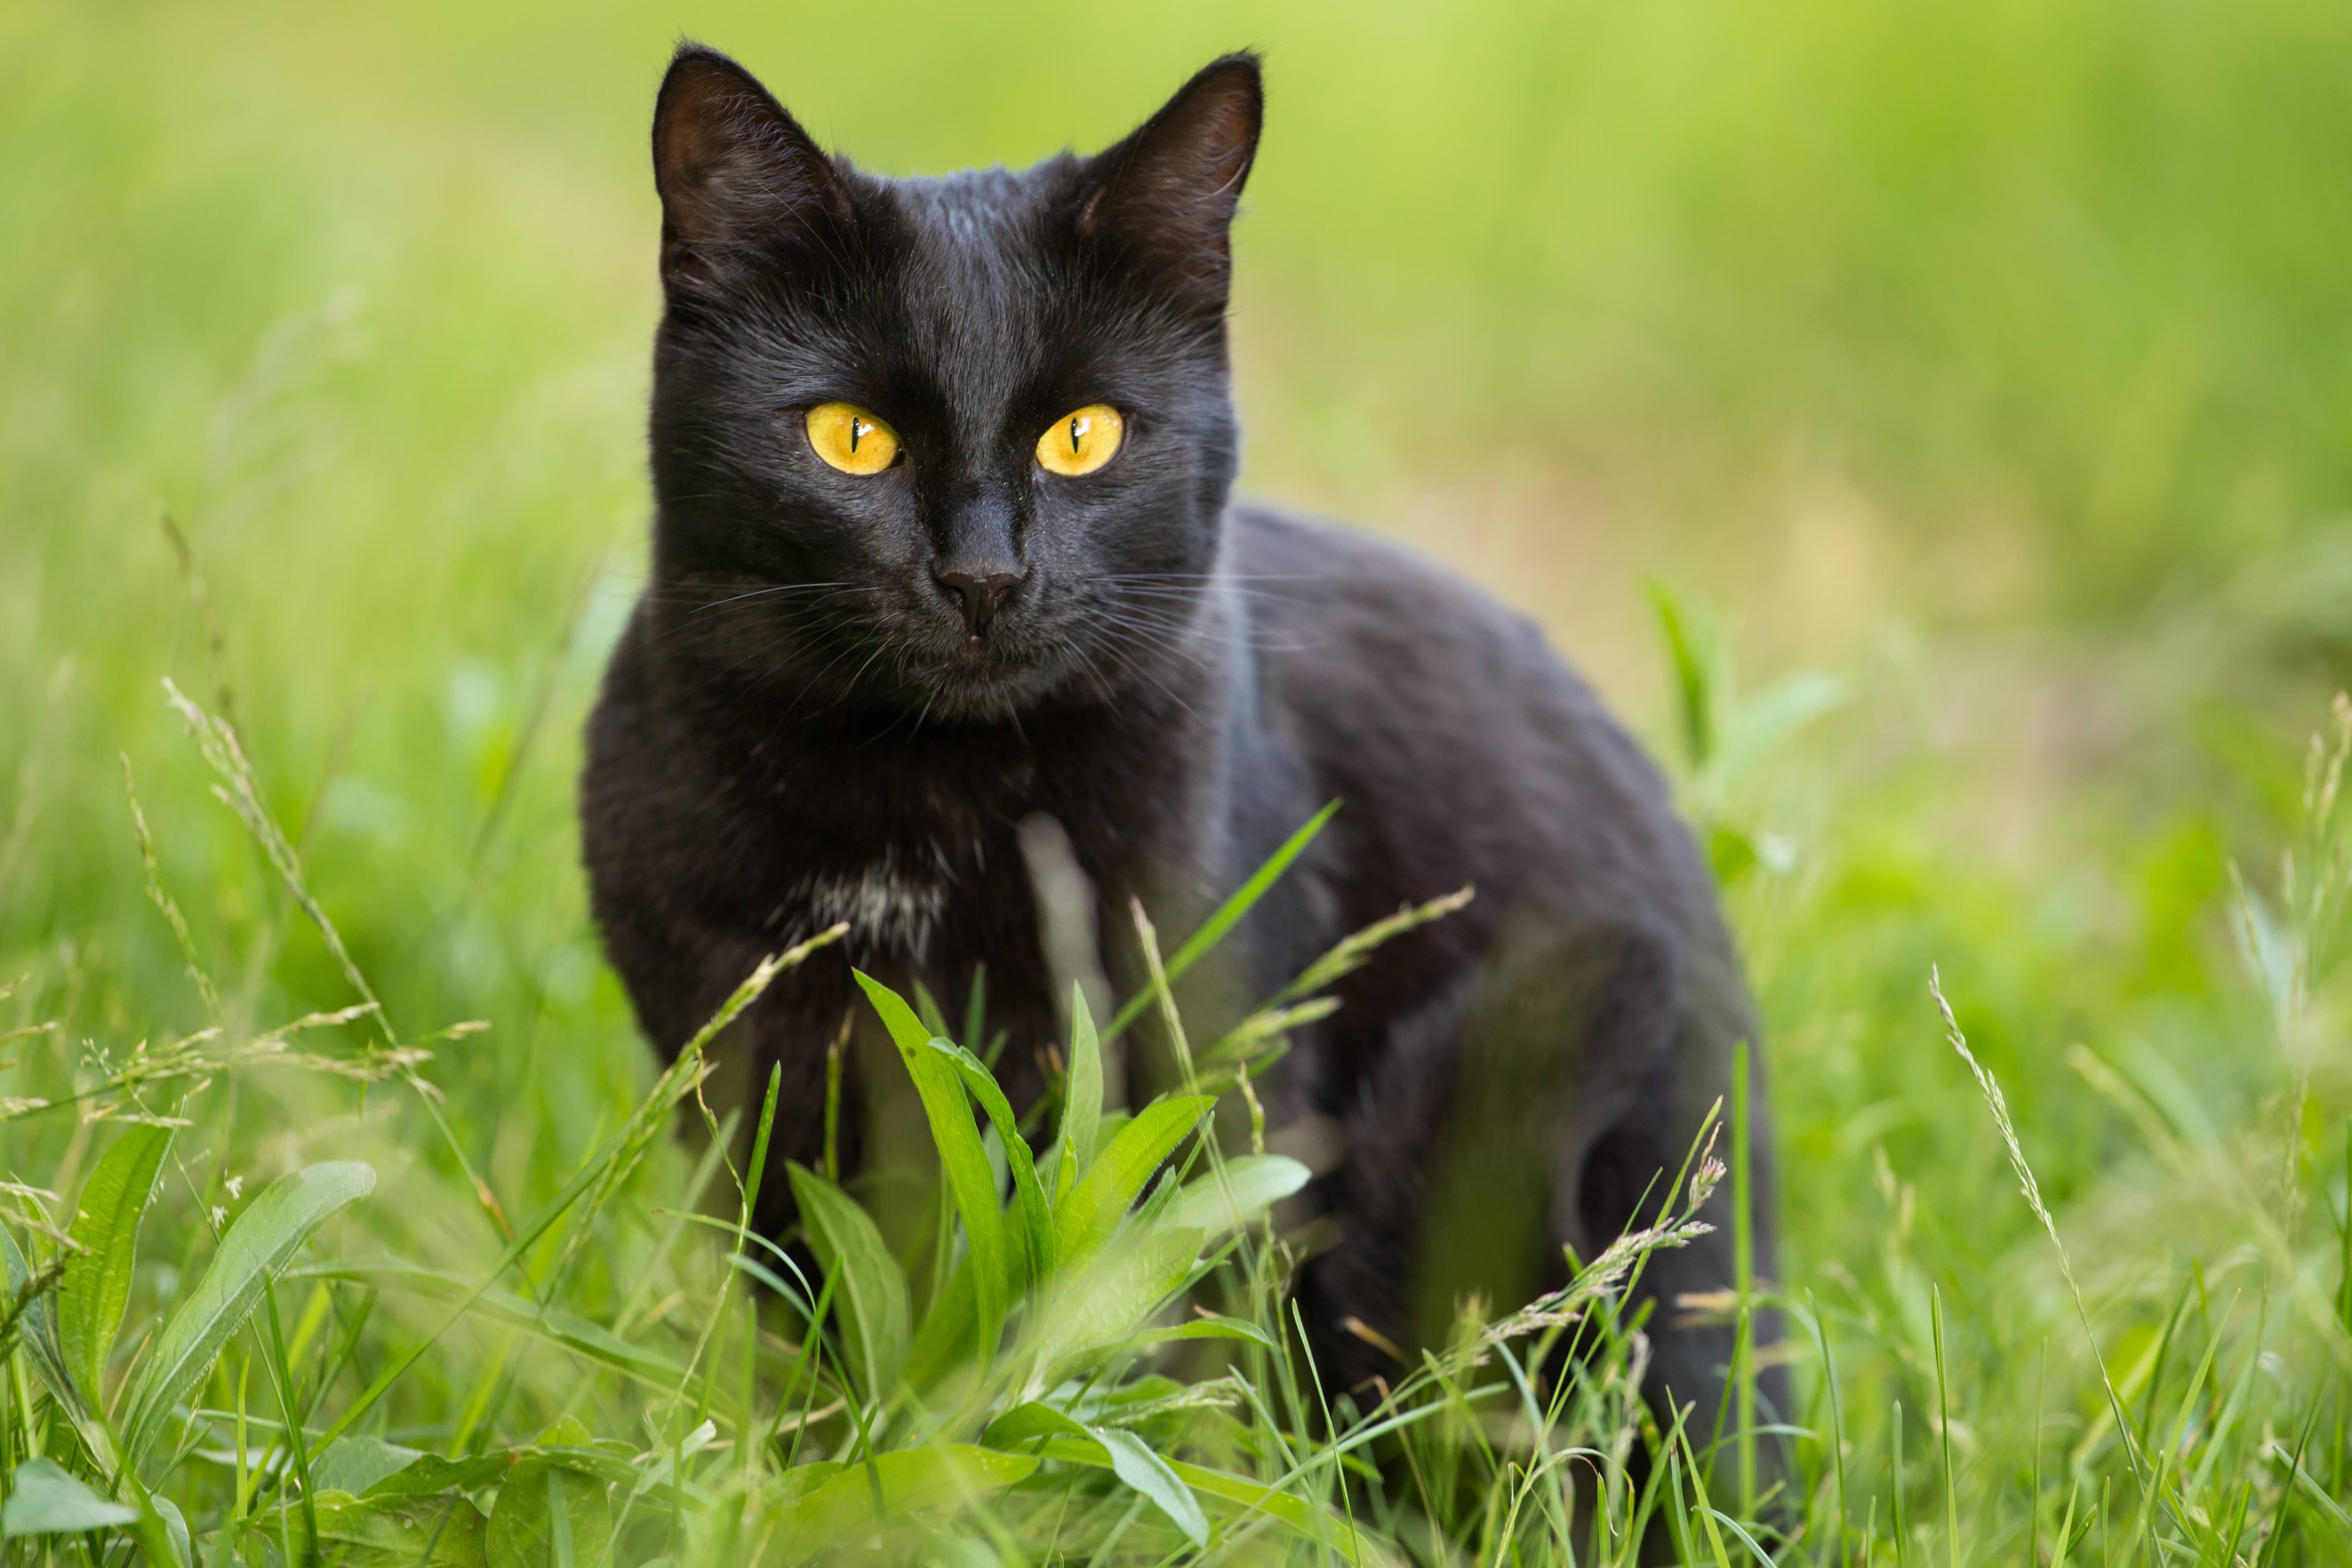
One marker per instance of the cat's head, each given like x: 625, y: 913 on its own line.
x: 959, y: 446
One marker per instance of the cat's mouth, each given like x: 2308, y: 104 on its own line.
x: 985, y: 675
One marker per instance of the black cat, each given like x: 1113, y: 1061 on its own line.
x: 944, y: 549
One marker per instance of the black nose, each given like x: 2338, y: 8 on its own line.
x: 980, y: 590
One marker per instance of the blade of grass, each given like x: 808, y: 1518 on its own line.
x: 281, y: 1378
x: 96, y: 1288
x: 1901, y: 1524
x: 874, y: 1288
x: 1228, y: 914
x: 1082, y: 1099
x: 667, y: 1089
x: 253, y: 1252
x: 1944, y: 1424
x: 1097, y: 1205
x: 217, y: 738
x: 1999, y: 1105
x: 1743, y: 1274
x: 1036, y: 1214
x: 990, y: 1261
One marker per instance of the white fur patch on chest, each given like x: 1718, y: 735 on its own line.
x: 888, y: 901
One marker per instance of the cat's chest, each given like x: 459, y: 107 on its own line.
x: 902, y: 898
x: 924, y: 863
x: 928, y: 882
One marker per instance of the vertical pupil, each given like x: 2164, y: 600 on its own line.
x: 1076, y: 426
x: 855, y: 431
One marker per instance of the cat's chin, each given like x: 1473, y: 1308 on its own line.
x: 986, y: 684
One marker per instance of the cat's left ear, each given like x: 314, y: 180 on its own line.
x: 1167, y: 193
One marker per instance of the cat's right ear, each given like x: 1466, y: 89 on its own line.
x: 738, y: 176
x: 1165, y: 197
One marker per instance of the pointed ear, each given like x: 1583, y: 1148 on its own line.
x: 1167, y: 193
x: 736, y: 173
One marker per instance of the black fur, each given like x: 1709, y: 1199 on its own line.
x: 798, y: 726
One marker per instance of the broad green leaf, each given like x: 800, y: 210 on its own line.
x: 1210, y: 1328
x: 568, y: 1445
x: 1314, y: 1523
x: 1763, y: 722
x: 841, y: 1509
x: 549, y: 1515
x: 1036, y: 1217
x: 391, y: 1531
x: 1251, y: 1183
x: 1103, y: 1195
x: 1115, y: 1404
x: 581, y: 1335
x: 1229, y: 913
x: 1696, y: 661
x: 39, y: 1328
x: 356, y: 1462
x: 105, y: 1232
x: 1134, y: 1462
x: 565, y: 1432
x: 1082, y: 1093
x: 175, y: 1528
x: 1033, y: 1419
x: 872, y: 1293
x: 1731, y: 853
x: 18, y: 1277
x: 944, y: 1340
x: 1127, y: 1456
x: 909, y: 1031
x: 43, y: 1499
x: 964, y: 1161
x: 1064, y: 1156
x: 946, y: 1547
x: 926, y: 1008
x: 1111, y: 1302
x: 154, y: 1528
x: 801, y: 1480
x: 432, y: 1473
x: 255, y: 1250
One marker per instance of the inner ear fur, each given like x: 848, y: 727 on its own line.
x: 1168, y: 191
x: 734, y: 170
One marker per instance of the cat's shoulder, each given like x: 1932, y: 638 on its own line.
x: 1451, y: 719
x: 1365, y: 636
x: 1291, y: 567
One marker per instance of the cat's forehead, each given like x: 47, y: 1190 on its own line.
x: 973, y: 205
x: 975, y: 281
x: 975, y: 233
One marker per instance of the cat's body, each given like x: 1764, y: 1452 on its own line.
x: 843, y: 697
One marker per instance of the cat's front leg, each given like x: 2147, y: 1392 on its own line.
x: 680, y: 971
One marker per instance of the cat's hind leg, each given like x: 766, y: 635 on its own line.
x: 1547, y: 1103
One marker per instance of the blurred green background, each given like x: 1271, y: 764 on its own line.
x: 1996, y: 358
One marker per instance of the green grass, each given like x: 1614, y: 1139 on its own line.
x: 1986, y: 373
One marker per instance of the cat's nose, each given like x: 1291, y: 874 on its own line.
x: 979, y: 587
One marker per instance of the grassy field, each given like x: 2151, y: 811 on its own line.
x: 1979, y: 384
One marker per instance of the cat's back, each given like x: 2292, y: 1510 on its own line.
x: 1466, y: 747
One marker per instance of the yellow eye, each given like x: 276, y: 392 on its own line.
x: 851, y: 440
x: 1082, y: 440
